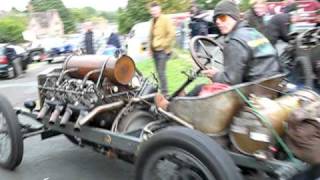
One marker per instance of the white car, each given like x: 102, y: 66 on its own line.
x: 137, y: 42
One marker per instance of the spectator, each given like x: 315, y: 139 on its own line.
x: 89, y: 40
x: 279, y: 26
x: 197, y: 25
x: 114, y: 40
x: 292, y: 5
x: 161, y: 39
x: 255, y: 16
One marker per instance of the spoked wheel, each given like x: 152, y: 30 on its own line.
x: 182, y: 154
x: 11, y: 142
x: 206, y: 52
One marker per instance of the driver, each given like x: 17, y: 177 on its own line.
x: 248, y: 55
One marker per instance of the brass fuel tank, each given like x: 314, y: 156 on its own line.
x: 249, y: 134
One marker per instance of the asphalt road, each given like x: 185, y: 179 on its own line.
x: 56, y: 158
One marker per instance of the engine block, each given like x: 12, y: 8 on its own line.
x: 76, y: 89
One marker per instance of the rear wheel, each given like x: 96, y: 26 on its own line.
x: 11, y: 142
x: 181, y: 153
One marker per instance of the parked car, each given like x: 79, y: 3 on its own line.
x: 13, y: 60
x: 137, y: 42
x: 37, y: 54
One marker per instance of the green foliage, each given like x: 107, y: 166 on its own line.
x: 244, y: 5
x: 210, y: 4
x: 80, y: 15
x: 110, y: 16
x: 206, y: 4
x: 12, y: 28
x: 137, y: 11
x: 44, y: 5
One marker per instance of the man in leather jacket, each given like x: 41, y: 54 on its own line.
x: 248, y: 55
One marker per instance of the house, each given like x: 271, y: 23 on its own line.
x: 46, y: 23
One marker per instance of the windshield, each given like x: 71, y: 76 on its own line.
x: 1, y: 51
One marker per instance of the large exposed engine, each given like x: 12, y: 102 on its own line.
x: 87, y: 88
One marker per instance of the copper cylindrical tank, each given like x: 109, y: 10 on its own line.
x: 249, y: 134
x: 119, y: 70
x: 248, y: 124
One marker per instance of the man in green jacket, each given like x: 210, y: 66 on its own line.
x: 161, y: 39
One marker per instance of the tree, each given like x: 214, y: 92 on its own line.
x: 44, y: 5
x: 206, y: 4
x: 87, y: 13
x: 244, y: 5
x: 210, y: 4
x: 12, y: 28
x: 137, y: 11
x: 110, y: 16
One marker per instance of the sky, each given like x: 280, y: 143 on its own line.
x: 106, y: 5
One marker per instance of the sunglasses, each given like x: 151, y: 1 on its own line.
x: 222, y: 18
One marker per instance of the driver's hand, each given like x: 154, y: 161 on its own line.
x: 210, y: 72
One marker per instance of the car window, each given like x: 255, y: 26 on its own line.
x: 18, y: 49
x: 1, y: 51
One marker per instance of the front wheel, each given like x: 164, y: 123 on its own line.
x: 181, y: 153
x: 11, y: 142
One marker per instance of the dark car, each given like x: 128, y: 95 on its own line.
x: 13, y: 60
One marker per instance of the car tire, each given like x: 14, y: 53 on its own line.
x: 17, y: 66
x: 9, y: 126
x: 11, y: 73
x: 201, y: 157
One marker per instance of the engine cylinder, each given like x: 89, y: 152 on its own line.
x: 119, y: 70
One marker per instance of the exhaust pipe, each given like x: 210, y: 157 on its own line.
x: 54, y: 116
x: 87, y: 117
x: 82, y: 114
x: 43, y: 111
x: 66, y: 116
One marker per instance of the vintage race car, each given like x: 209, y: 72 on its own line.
x: 104, y: 103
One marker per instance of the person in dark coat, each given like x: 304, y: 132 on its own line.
x: 248, y: 55
x: 197, y: 25
x: 89, y: 39
x: 278, y: 27
x: 291, y: 6
x: 114, y: 40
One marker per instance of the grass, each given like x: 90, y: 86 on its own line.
x: 180, y: 61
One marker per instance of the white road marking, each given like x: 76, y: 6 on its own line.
x: 19, y: 84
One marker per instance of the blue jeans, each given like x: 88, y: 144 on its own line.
x: 160, y: 59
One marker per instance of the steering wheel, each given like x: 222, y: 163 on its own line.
x: 206, y: 52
